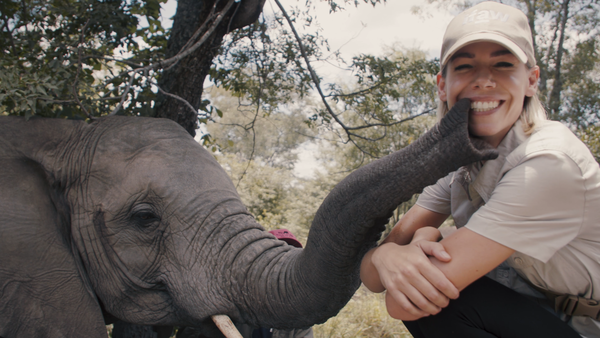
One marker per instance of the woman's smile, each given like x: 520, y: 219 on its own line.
x: 484, y: 106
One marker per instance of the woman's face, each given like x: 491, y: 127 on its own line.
x: 495, y: 81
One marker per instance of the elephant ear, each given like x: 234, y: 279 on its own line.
x: 43, y: 291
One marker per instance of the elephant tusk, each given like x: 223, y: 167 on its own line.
x: 226, y: 326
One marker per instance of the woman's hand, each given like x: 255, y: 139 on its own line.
x: 430, y: 234
x: 415, y: 287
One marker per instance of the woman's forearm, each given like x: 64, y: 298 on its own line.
x: 369, y: 275
x: 473, y: 256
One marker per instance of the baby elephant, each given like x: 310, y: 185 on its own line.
x: 130, y: 218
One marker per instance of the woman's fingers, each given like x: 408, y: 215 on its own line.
x: 432, y: 273
x: 420, y: 293
x: 434, y: 249
x: 438, y: 280
x: 400, y: 307
x: 406, y: 272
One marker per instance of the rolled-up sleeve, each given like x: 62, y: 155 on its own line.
x: 537, y: 207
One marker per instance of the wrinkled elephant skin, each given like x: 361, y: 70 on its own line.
x: 131, y: 218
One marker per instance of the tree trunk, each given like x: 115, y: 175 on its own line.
x: 554, y: 99
x: 186, y: 78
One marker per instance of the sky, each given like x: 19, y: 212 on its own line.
x: 363, y: 29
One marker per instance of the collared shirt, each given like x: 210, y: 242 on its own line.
x: 540, y: 197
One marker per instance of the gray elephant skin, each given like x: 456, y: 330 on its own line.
x: 131, y: 218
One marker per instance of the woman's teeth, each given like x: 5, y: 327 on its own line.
x: 480, y: 106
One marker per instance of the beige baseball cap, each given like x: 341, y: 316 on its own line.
x: 490, y: 21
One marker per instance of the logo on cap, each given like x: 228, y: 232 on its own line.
x: 483, y: 16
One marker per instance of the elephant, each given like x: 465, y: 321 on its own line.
x: 131, y: 218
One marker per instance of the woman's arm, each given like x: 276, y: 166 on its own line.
x: 404, y: 270
x: 472, y: 257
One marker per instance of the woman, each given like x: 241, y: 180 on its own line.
x: 530, y: 219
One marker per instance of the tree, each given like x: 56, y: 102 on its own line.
x: 567, y: 55
x: 389, y: 91
x: 255, y: 135
x: 50, y: 50
x: 59, y: 56
x: 205, y: 22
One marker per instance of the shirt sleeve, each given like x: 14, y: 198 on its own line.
x: 436, y: 197
x: 537, y: 207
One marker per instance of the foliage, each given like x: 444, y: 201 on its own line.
x: 394, y: 95
x: 255, y: 134
x: 59, y: 60
x: 581, y: 106
x: 591, y: 137
x: 260, y: 62
x: 78, y: 71
x: 566, y: 49
x: 263, y: 64
x: 389, y: 91
x: 58, y: 55
x: 268, y: 60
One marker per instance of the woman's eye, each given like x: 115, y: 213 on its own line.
x: 504, y: 64
x: 462, y: 67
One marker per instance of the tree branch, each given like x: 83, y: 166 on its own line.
x: 182, y: 54
x: 184, y: 101
x: 348, y: 130
x: 312, y: 73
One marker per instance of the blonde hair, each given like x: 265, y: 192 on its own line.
x: 532, y: 115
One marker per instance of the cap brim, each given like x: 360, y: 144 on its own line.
x: 485, y: 36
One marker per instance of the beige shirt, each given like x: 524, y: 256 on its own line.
x: 541, y: 197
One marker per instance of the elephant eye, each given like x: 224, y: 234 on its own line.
x: 145, y: 217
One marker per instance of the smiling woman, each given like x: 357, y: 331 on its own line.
x: 528, y: 219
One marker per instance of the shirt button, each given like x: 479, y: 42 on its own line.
x: 519, y: 261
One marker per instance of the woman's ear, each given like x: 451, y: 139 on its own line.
x: 441, y: 87
x: 532, y: 85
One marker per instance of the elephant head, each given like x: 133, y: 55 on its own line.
x: 132, y: 218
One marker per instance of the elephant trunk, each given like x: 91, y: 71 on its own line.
x: 325, y: 274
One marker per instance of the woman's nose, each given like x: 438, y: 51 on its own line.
x: 484, y: 79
